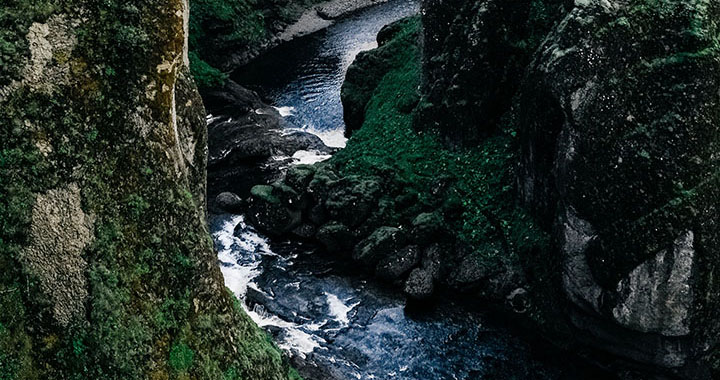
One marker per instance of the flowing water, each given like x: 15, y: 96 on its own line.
x: 303, y: 78
x: 333, y: 322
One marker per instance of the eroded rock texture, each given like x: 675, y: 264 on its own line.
x: 108, y: 270
x: 618, y: 119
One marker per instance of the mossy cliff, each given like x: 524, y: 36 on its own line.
x: 108, y: 270
x: 559, y: 158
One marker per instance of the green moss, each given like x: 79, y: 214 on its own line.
x: 482, y: 178
x: 181, y: 357
x: 147, y: 265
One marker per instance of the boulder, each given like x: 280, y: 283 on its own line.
x: 429, y: 228
x: 419, y: 285
x: 352, y: 199
x: 336, y: 238
x: 398, y: 264
x: 269, y: 214
x: 230, y: 202
x: 298, y: 177
x: 381, y: 243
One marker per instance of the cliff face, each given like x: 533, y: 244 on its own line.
x: 108, y: 269
x: 616, y: 108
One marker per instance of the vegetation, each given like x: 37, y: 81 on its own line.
x: 154, y: 311
x: 481, y: 180
x: 218, y: 27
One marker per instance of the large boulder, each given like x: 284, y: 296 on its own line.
x: 618, y: 117
x: 336, y: 238
x: 384, y: 242
x: 272, y: 212
x: 419, y: 285
x: 399, y: 263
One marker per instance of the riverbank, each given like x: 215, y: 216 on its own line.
x: 323, y: 15
x: 226, y: 36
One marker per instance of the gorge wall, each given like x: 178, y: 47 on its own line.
x: 558, y: 158
x: 108, y: 270
x: 616, y: 109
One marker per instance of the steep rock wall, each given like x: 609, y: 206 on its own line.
x: 616, y: 108
x: 108, y: 268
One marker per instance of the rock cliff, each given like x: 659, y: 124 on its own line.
x: 108, y: 268
x: 564, y: 159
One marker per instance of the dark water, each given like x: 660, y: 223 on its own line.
x: 336, y: 324
x: 304, y: 77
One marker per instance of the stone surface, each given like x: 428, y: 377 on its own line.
x: 382, y: 242
x: 657, y: 295
x: 399, y: 263
x: 59, y: 233
x: 419, y: 284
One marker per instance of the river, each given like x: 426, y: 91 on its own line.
x: 333, y: 322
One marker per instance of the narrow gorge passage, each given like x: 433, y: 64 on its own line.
x: 334, y: 323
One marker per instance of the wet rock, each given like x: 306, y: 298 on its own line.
x: 399, y: 263
x: 381, y: 243
x: 298, y: 177
x: 469, y: 272
x: 433, y: 258
x: 305, y: 231
x: 250, y: 144
x: 419, y: 285
x: 230, y: 202
x: 336, y: 238
x: 231, y: 99
x: 269, y: 214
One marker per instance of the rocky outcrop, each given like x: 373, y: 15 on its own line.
x: 474, y: 57
x: 108, y: 269
x: 367, y: 71
x: 249, y: 141
x: 619, y: 141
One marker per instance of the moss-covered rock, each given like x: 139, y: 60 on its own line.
x: 384, y: 242
x: 108, y: 268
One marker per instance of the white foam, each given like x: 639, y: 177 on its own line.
x: 286, y: 111
x: 333, y: 138
x: 240, y: 258
x: 339, y: 309
x: 309, y: 157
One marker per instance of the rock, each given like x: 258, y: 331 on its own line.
x: 657, y: 295
x: 352, y: 199
x: 269, y: 214
x: 364, y: 75
x: 395, y: 266
x: 419, y: 285
x: 317, y: 214
x: 250, y: 147
x: 232, y: 100
x: 336, y: 238
x: 469, y: 272
x: 429, y: 228
x: 230, y: 202
x: 618, y: 137
x: 299, y: 177
x: 433, y: 258
x: 304, y: 231
x: 381, y: 243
